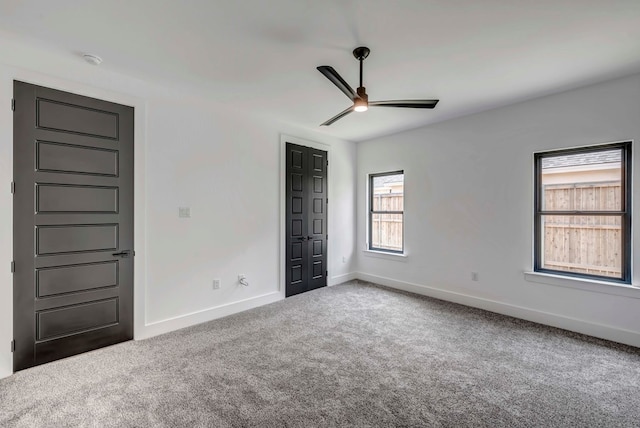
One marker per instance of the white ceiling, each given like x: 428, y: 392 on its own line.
x: 261, y: 55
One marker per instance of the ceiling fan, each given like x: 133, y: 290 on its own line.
x: 360, y: 98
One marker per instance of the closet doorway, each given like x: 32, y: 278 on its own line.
x: 306, y: 219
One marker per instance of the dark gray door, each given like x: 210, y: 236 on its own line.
x: 72, y: 224
x: 306, y: 219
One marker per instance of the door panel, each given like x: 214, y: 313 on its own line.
x: 70, y: 158
x: 51, y: 240
x: 306, y: 218
x: 64, y: 198
x: 59, y: 116
x: 297, y: 251
x: 77, y: 318
x: 73, y: 212
x: 317, y: 216
x: 73, y: 279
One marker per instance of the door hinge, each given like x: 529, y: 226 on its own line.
x: 13, y: 345
x: 13, y: 267
x: 13, y: 187
x: 326, y: 273
x: 13, y: 104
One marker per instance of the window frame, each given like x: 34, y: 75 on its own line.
x: 370, y: 246
x: 624, y: 213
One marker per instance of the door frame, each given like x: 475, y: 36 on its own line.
x: 140, y: 138
x: 284, y: 139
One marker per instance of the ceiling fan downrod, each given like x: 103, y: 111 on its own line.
x: 360, y: 54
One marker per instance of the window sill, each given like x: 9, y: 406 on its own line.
x: 592, y: 285
x: 388, y: 256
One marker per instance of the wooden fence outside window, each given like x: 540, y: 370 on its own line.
x: 583, y: 244
x: 387, y: 229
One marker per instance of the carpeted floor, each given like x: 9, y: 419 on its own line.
x: 349, y: 355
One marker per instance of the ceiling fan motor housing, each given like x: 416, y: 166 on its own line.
x: 362, y: 93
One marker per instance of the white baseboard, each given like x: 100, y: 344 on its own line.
x: 187, y: 320
x: 567, y: 323
x: 6, y: 372
x: 340, y: 279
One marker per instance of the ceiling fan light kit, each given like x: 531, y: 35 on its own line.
x: 361, y: 104
x: 360, y: 98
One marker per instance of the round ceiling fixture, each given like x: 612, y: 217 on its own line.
x: 92, y: 59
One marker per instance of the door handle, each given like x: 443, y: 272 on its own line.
x: 123, y: 254
x: 301, y: 238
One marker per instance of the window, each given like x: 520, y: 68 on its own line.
x: 386, y: 212
x: 582, y: 212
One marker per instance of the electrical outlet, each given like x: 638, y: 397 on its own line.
x: 216, y: 284
x: 474, y: 276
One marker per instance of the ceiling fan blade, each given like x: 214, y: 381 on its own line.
x: 405, y: 103
x: 338, y: 116
x: 337, y: 80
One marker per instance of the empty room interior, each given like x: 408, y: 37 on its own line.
x: 304, y: 213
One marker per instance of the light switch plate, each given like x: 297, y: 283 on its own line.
x: 184, y: 212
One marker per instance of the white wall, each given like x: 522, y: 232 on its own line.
x: 227, y: 169
x: 189, y: 152
x: 469, y: 202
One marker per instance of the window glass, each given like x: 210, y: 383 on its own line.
x: 386, y: 212
x: 386, y: 231
x: 583, y: 212
x: 583, y: 244
x: 582, y: 182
